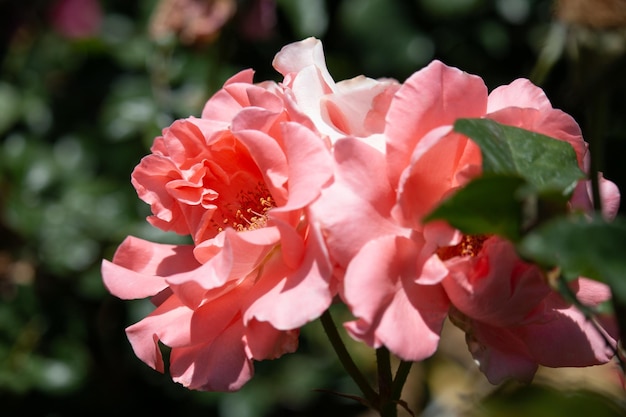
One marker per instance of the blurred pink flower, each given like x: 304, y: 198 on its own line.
x: 258, y: 21
x: 395, y: 266
x: 77, y: 19
x: 239, y: 180
x: 192, y: 21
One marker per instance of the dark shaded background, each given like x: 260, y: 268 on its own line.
x: 79, y: 110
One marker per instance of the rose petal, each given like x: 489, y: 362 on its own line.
x: 297, y: 56
x: 500, y: 354
x: 432, y: 97
x: 221, y: 365
x: 162, y: 324
x: 288, y: 298
x: 265, y: 342
x: 270, y: 159
x: 139, y: 266
x: 355, y: 208
x: 310, y: 165
x: 565, y: 325
x: 520, y: 93
x: 431, y: 175
x: 495, y: 287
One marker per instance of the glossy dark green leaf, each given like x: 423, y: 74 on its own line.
x: 546, y: 163
x: 487, y: 205
x: 593, y: 248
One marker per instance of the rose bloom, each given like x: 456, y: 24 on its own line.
x: 239, y: 180
x: 515, y: 322
x: 402, y: 278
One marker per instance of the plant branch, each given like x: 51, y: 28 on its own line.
x: 596, y: 123
x: 398, y: 382
x: 388, y: 407
x: 346, y: 360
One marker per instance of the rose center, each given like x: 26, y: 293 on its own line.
x: 469, y: 245
x: 248, y: 210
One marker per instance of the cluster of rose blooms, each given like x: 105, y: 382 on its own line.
x: 305, y: 192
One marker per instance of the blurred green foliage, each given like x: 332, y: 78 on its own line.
x: 76, y: 116
x: 545, y: 401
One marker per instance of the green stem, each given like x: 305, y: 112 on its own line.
x: 596, y: 122
x: 398, y: 383
x: 553, y: 47
x: 346, y: 360
x: 390, y: 388
x: 388, y: 407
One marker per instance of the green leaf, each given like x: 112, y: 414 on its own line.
x: 546, y: 163
x: 527, y: 178
x: 487, y: 205
x: 593, y: 248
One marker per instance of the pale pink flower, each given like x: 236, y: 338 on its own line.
x: 239, y: 180
x: 372, y: 215
x: 354, y: 107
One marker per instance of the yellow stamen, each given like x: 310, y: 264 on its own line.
x: 248, y: 212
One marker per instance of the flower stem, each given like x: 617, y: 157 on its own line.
x: 388, y: 407
x: 596, y: 122
x: 398, y: 382
x: 390, y: 389
x: 346, y: 360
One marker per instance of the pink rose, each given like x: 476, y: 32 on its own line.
x: 371, y: 215
x: 239, y: 180
x: 214, y: 171
x: 515, y: 322
x: 397, y: 270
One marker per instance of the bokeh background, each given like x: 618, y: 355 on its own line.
x: 85, y: 86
